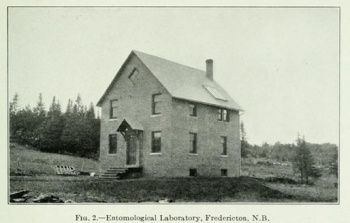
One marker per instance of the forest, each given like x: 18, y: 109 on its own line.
x: 75, y: 131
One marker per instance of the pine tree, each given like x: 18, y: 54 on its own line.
x: 244, y: 142
x: 13, y: 115
x: 40, y: 118
x: 333, y: 164
x: 303, y: 161
x: 53, y: 129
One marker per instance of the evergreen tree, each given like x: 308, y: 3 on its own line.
x: 13, y: 115
x: 244, y: 142
x: 40, y: 120
x: 333, y: 164
x: 303, y: 162
x: 53, y: 129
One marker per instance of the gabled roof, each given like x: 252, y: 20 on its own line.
x: 183, y: 82
x: 135, y: 125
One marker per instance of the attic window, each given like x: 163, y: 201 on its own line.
x: 215, y: 93
x: 134, y: 75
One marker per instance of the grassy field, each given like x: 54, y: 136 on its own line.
x: 25, y: 161
x: 34, y: 171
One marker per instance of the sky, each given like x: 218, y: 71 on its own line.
x: 280, y: 64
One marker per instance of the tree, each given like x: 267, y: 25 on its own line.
x: 244, y: 142
x: 333, y: 164
x: 53, y: 129
x: 303, y: 161
x: 13, y: 115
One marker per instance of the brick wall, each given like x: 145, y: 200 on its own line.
x: 208, y: 160
x: 134, y: 102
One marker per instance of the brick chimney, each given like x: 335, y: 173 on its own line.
x: 210, y: 68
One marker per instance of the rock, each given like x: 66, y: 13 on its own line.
x: 18, y: 194
x: 47, y: 198
x: 19, y: 200
x: 70, y: 201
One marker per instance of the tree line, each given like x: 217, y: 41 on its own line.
x: 308, y: 159
x: 75, y: 131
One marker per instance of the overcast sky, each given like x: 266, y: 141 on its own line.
x: 280, y: 64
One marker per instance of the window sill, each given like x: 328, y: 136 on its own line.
x: 111, y: 154
x: 155, y: 154
x: 191, y: 116
x: 113, y: 119
x: 224, y: 155
x: 193, y: 154
x: 155, y: 115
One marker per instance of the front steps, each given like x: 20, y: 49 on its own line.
x: 116, y: 173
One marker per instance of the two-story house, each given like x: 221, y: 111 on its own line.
x: 168, y: 120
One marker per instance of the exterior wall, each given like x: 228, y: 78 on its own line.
x: 175, y: 123
x: 135, y: 102
x: 208, y: 161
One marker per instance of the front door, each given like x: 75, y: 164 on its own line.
x: 131, y: 149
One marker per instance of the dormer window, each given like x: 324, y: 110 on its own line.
x: 133, y: 76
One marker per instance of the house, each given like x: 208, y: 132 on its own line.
x: 168, y: 120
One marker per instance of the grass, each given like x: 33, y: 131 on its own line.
x: 26, y: 161
x: 152, y: 190
x: 34, y: 171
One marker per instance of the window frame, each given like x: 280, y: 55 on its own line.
x: 110, y: 136
x: 224, y: 172
x: 111, y: 113
x: 153, y: 145
x: 154, y: 103
x: 133, y: 76
x: 193, y: 172
x: 224, y: 145
x: 224, y: 114
x: 193, y: 111
x: 193, y: 144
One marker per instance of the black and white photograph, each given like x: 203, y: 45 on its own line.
x: 173, y: 106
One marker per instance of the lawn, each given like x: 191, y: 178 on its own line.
x: 34, y: 171
x: 26, y: 161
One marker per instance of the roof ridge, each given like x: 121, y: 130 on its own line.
x: 136, y: 51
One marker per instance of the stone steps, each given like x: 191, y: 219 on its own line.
x: 114, y: 173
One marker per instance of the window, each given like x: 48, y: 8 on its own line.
x: 224, y: 172
x: 193, y: 172
x: 224, y: 145
x: 193, y: 110
x: 215, y: 93
x: 112, y: 144
x: 223, y: 115
x: 156, y: 100
x: 193, y: 143
x: 113, y: 109
x: 134, y: 75
x: 156, y: 142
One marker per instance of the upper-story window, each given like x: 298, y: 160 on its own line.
x: 193, y: 109
x: 223, y: 115
x: 156, y: 103
x: 224, y: 145
x: 134, y: 74
x: 113, y: 109
x: 193, y: 143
